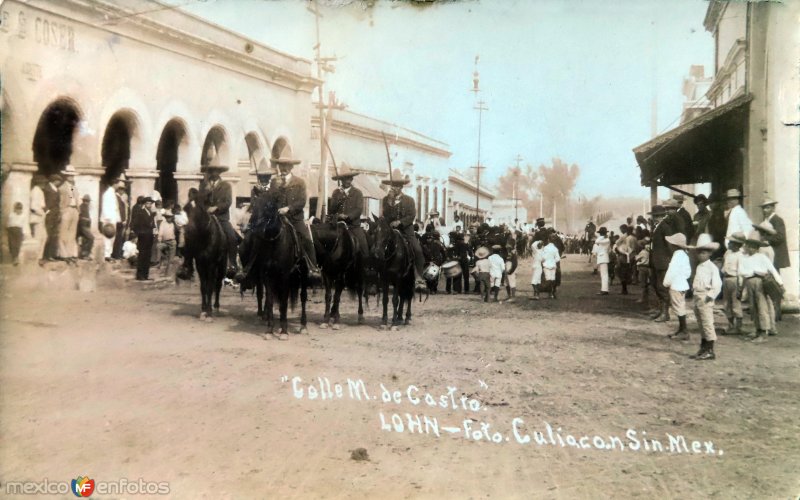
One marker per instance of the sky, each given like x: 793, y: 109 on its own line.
x: 573, y: 79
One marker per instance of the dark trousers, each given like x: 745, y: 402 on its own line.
x: 86, y: 240
x: 14, y: 241
x: 51, y: 221
x: 144, y: 245
x: 658, y: 284
x: 119, y: 240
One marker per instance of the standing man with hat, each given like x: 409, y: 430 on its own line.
x: 293, y: 197
x: 68, y: 224
x: 660, y: 257
x: 144, y: 225
x: 400, y: 212
x: 588, y: 235
x: 675, y: 219
x: 347, y: 204
x: 109, y: 214
x: 735, y: 216
x: 52, y: 215
x: 686, y: 217
x: 702, y: 217
x: 777, y: 240
x: 85, y: 228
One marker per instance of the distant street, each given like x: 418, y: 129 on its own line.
x: 127, y: 382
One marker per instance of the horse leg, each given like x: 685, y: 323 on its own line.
x: 218, y: 287
x: 303, y: 300
x: 385, y: 318
x: 408, y: 312
x: 259, y: 298
x: 337, y: 297
x: 360, y: 293
x: 268, y: 297
x: 328, y: 293
x: 203, y: 298
x: 283, y: 307
x: 396, y: 311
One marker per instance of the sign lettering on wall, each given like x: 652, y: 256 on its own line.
x: 43, y: 30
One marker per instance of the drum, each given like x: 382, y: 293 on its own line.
x: 431, y: 273
x: 451, y: 269
x: 109, y: 230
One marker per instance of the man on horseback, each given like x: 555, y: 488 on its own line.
x: 217, y: 196
x: 263, y: 193
x: 347, y: 203
x: 399, y: 211
x: 292, y: 204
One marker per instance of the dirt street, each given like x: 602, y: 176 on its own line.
x: 128, y: 383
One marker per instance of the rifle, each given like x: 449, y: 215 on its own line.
x: 388, y: 156
x: 333, y: 160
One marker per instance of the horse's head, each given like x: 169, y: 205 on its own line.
x: 380, y: 233
x: 265, y: 219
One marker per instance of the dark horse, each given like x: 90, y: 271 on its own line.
x: 342, y: 265
x: 205, y: 242
x: 283, y: 270
x: 395, y: 265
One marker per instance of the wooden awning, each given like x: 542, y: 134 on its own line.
x: 698, y: 151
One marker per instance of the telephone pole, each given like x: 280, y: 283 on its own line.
x: 516, y: 186
x: 481, y: 107
x: 323, y: 66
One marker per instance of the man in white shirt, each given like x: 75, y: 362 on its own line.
x: 600, y: 250
x: 38, y: 209
x: 735, y: 215
x: 677, y: 280
x: 754, y: 267
x: 550, y: 259
x: 109, y: 214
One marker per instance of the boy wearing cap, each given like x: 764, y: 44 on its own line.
x: 677, y: 280
x: 730, y: 284
x: 167, y: 241
x: 85, y: 228
x: 706, y: 286
x: 753, y: 269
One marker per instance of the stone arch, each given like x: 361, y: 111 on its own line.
x: 217, y: 137
x: 56, y: 131
x: 121, y: 143
x: 188, y: 160
x: 142, y: 145
x: 174, y: 149
x: 256, y: 149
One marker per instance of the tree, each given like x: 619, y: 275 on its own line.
x: 522, y: 182
x: 556, y: 183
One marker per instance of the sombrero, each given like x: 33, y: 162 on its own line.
x: 345, y: 172
x: 284, y: 157
x: 754, y: 238
x: 482, y: 252
x: 732, y: 193
x: 705, y: 242
x: 397, y: 179
x: 738, y: 237
x: 677, y: 239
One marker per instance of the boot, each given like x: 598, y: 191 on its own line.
x: 709, y: 352
x: 737, y: 326
x: 728, y: 330
x: 535, y: 292
x: 658, y: 311
x: 495, y: 293
x: 508, y: 293
x: 682, y: 333
x: 703, y: 347
x: 553, y: 292
x: 761, y: 336
x: 664, y: 315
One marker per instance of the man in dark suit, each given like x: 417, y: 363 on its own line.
x: 777, y: 240
x: 85, y: 228
x: 659, y: 259
x: 686, y: 217
x: 399, y: 211
x: 52, y: 215
x: 701, y: 218
x: 217, y: 196
x: 144, y: 225
x: 347, y: 204
x: 292, y: 203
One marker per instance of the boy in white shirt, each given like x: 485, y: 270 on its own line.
x: 706, y: 287
x: 536, y: 277
x: 497, y: 266
x: 677, y: 281
x: 550, y: 259
x: 601, y: 249
x: 730, y: 284
x: 482, y: 268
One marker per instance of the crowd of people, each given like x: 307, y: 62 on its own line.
x: 718, y: 250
